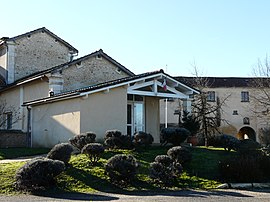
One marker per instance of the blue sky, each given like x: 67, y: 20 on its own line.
x: 222, y: 37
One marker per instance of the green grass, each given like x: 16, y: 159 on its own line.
x: 10, y: 153
x: 201, y: 173
x: 205, y: 161
x: 7, y: 172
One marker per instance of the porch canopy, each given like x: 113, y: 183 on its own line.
x: 160, y: 85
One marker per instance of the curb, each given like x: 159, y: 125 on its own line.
x: 243, y: 185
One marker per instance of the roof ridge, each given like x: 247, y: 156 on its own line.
x: 45, y: 30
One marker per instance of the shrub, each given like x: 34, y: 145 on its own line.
x: 38, y: 174
x: 115, y: 140
x: 174, y: 135
x: 264, y: 160
x: 79, y: 141
x: 228, y: 142
x: 180, y: 154
x: 164, y: 170
x: 112, y: 133
x: 190, y: 122
x: 242, y: 168
x: 142, y: 138
x: 93, y: 151
x: 248, y: 146
x: 61, y: 152
x: 121, y: 169
x: 164, y: 160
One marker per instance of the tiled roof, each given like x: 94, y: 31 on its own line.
x: 216, y: 82
x: 94, y: 87
x: 43, y: 29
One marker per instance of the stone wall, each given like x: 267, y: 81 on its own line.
x: 12, y: 138
x: 37, y: 52
x: 91, y: 70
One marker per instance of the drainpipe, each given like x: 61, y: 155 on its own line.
x: 29, y: 138
x: 166, y: 113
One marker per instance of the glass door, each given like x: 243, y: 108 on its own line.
x: 138, y: 117
x: 135, y: 117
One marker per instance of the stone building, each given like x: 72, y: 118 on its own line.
x: 237, y: 112
x: 58, y: 96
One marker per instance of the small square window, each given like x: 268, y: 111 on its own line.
x: 130, y: 97
x: 235, y: 112
x: 211, y: 96
x: 246, y: 120
x: 244, y: 96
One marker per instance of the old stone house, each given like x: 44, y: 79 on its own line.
x: 237, y: 111
x: 58, y: 96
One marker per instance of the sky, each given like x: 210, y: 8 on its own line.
x: 220, y: 37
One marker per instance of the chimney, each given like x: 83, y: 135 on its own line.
x: 55, y: 83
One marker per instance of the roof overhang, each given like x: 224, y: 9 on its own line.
x: 146, y: 85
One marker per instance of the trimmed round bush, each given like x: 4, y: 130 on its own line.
x: 164, y: 160
x: 164, y: 170
x: 38, y: 174
x: 93, y: 151
x: 79, y: 141
x: 180, y: 154
x: 176, y: 136
x: 142, y: 138
x: 112, y: 133
x: 229, y: 142
x: 61, y: 152
x: 121, y: 169
x: 115, y: 140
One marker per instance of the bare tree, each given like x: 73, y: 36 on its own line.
x: 9, y: 115
x: 261, y: 86
x: 208, y: 113
x: 260, y: 97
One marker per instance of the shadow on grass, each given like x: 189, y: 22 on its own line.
x: 104, y: 185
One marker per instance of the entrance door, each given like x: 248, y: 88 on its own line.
x: 135, y: 117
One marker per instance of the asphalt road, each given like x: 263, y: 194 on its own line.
x: 227, y: 195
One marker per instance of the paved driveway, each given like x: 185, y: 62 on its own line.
x: 227, y: 195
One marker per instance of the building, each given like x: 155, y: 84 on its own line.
x: 58, y: 96
x: 237, y: 111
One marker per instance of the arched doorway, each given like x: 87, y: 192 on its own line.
x: 246, y: 133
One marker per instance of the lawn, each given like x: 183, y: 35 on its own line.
x: 200, y: 173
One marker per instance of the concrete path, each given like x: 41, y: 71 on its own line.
x: 185, y: 195
x: 20, y: 159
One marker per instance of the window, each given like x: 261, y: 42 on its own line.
x: 131, y: 97
x: 211, y: 96
x: 235, y: 112
x: 244, y: 96
x: 9, y: 120
x: 246, y: 120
